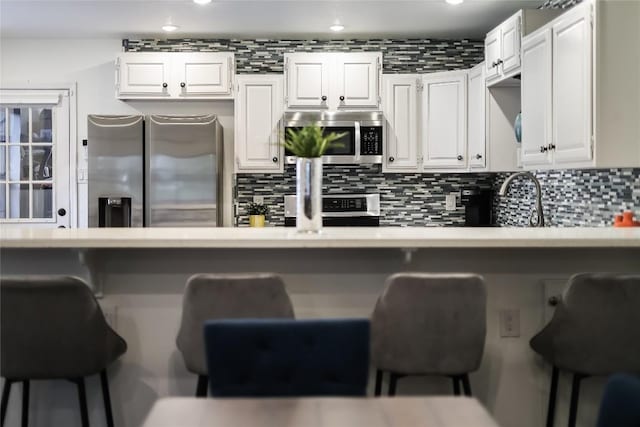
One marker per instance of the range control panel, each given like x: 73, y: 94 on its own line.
x: 370, y: 140
x: 337, y: 204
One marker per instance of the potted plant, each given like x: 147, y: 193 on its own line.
x: 308, y: 144
x: 257, y: 214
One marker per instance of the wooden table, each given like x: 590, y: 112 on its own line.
x: 320, y: 412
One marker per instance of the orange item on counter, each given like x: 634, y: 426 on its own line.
x: 625, y: 220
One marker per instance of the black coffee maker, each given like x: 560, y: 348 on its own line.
x: 477, y: 202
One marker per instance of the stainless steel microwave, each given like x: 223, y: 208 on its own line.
x: 363, y: 134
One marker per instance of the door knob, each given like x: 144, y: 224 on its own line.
x: 460, y: 157
x: 62, y: 212
x: 164, y: 85
x: 274, y: 160
x: 183, y: 84
x: 324, y: 97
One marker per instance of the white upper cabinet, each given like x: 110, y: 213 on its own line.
x: 203, y: 74
x: 571, y: 109
x: 476, y: 118
x: 536, y: 99
x: 150, y: 75
x: 503, y: 43
x: 444, y: 120
x: 258, y: 110
x: 333, y: 81
x: 400, y: 109
x: 143, y: 75
x: 307, y: 80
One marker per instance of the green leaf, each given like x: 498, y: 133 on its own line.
x: 309, y: 141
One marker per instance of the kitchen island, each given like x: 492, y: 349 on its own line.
x: 140, y: 275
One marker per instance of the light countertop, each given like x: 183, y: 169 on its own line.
x: 349, y: 237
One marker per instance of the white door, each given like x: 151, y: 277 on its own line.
x: 492, y: 54
x: 201, y: 75
x: 476, y: 136
x: 258, y: 109
x: 444, y: 121
x: 358, y: 80
x: 572, y: 87
x: 35, y: 183
x: 143, y: 74
x: 400, y: 110
x: 536, y: 99
x: 510, y: 46
x: 307, y: 79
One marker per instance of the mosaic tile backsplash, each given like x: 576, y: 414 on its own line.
x: 575, y: 197
x: 267, y: 56
x: 405, y: 199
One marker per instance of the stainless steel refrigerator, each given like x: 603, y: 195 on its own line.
x: 155, y: 171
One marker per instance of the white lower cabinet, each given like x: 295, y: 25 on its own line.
x: 258, y: 110
x: 400, y: 107
x: 444, y: 120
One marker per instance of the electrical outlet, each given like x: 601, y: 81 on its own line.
x: 509, y: 323
x: 450, y: 202
x: 258, y: 199
x: 111, y: 316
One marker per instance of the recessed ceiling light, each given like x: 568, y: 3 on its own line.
x: 202, y: 1
x: 169, y: 27
x: 336, y: 27
x: 454, y: 1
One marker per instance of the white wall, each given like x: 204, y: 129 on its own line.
x: 90, y: 64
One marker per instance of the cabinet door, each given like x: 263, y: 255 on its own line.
x: 444, y: 121
x: 476, y: 119
x: 492, y: 53
x: 143, y: 75
x: 510, y: 46
x: 572, y: 118
x: 536, y: 99
x: 307, y: 77
x: 357, y: 80
x: 400, y: 110
x: 258, y: 109
x: 201, y: 75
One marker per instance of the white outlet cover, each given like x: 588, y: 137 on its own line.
x: 510, y: 323
x: 450, y: 202
x: 258, y: 199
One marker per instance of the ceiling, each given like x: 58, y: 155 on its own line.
x: 254, y: 18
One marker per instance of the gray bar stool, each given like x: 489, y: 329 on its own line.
x: 53, y: 328
x: 225, y: 296
x: 595, y: 330
x: 429, y: 324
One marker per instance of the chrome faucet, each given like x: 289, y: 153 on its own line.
x: 537, y: 216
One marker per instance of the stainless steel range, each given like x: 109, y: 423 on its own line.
x: 341, y: 210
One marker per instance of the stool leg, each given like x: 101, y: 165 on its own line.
x: 553, y: 391
x: 6, y: 389
x: 201, y: 388
x: 378, y: 389
x: 456, y: 385
x: 466, y: 385
x: 575, y: 395
x: 25, y: 403
x: 393, y: 381
x: 104, y: 381
x: 82, y: 397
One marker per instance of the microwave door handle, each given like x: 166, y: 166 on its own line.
x: 357, y: 142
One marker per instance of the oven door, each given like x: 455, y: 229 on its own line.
x: 346, y: 150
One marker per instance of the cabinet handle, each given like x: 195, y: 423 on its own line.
x: 182, y: 84
x: 543, y: 149
x: 274, y: 160
x: 478, y: 156
x: 391, y: 159
x: 62, y: 212
x: 500, y: 61
x: 494, y: 64
x: 342, y: 98
x: 164, y: 85
x: 324, y: 97
x: 551, y: 146
x: 460, y: 157
x: 553, y: 301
